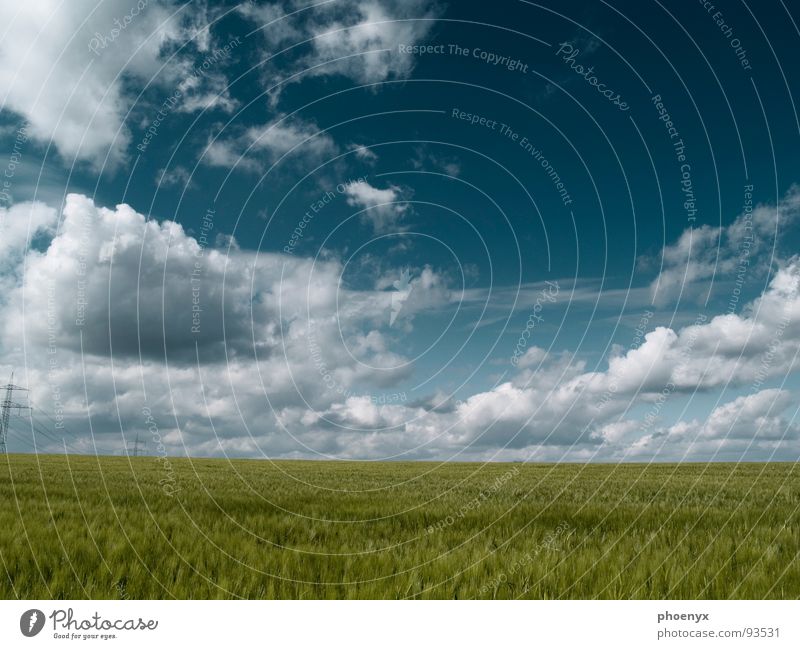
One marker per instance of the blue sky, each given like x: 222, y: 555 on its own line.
x: 404, y: 230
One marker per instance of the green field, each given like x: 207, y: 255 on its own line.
x: 87, y: 527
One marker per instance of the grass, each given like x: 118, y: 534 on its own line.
x: 89, y: 527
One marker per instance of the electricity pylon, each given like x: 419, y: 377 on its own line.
x: 5, y: 410
x: 135, y: 447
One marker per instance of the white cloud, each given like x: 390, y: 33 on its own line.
x: 295, y: 370
x: 383, y: 208
x: 365, y: 154
x: 19, y: 225
x: 554, y: 408
x: 379, y: 29
x: 424, y: 159
x: 750, y: 425
x: 63, y: 67
x: 533, y: 357
x: 357, y: 39
x: 754, y: 416
x: 267, y: 143
x: 723, y: 254
x: 176, y: 175
x: 114, y: 285
x: 206, y: 92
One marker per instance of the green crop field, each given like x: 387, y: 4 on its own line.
x: 87, y: 527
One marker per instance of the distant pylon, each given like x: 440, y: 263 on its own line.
x: 135, y: 447
x: 5, y: 410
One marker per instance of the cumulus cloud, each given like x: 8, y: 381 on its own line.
x: 20, y: 225
x: 553, y: 408
x: 129, y: 284
x: 375, y: 29
x: 751, y: 424
x: 283, y: 358
x: 206, y: 92
x: 382, y: 208
x: 753, y: 416
x: 126, y: 301
x: 533, y: 357
x: 64, y: 67
x: 727, y: 254
x: 355, y: 39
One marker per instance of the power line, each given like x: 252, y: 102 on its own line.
x: 57, y: 424
x: 31, y: 433
x: 5, y: 410
x: 20, y: 438
x: 39, y: 428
